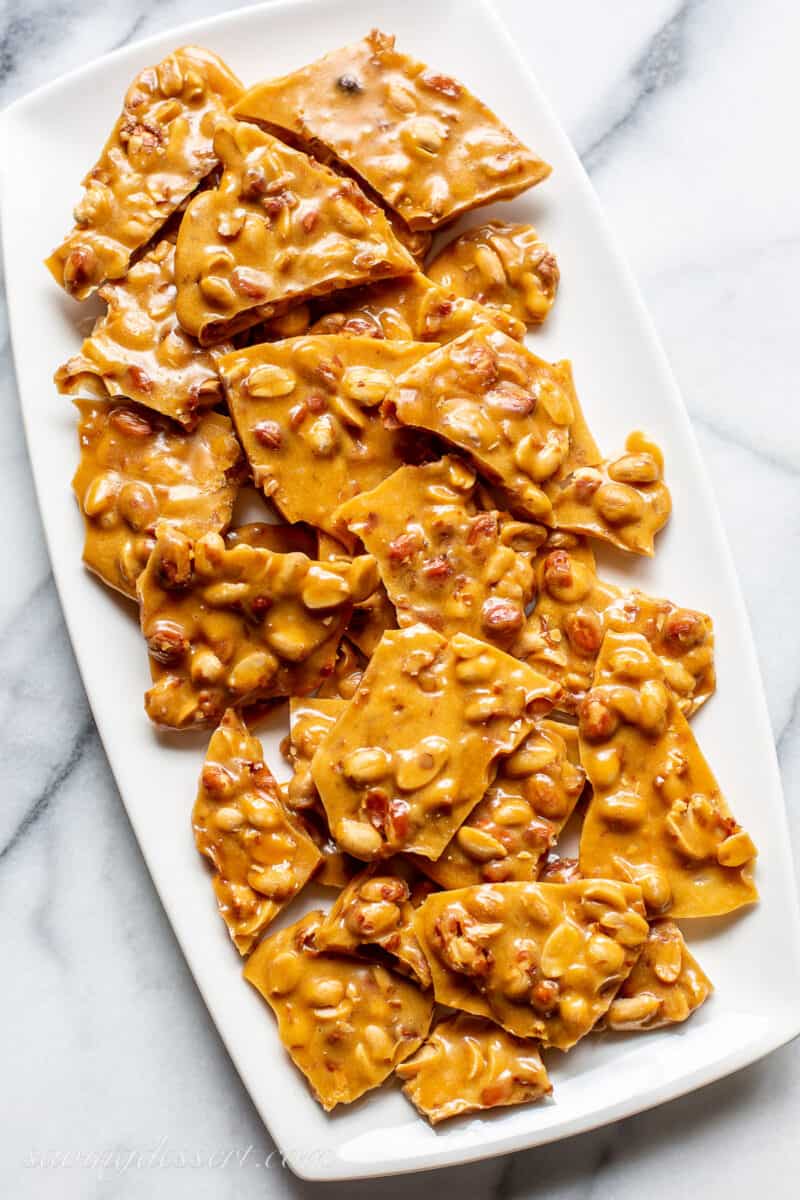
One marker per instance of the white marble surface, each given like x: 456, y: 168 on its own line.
x: 685, y: 115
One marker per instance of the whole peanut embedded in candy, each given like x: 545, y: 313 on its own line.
x: 417, y: 745
x: 657, y: 817
x: 346, y: 1023
x: 665, y: 986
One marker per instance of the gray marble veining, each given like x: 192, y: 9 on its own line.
x: 685, y: 115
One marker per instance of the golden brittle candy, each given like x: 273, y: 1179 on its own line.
x: 279, y: 229
x: 516, y: 415
x: 418, y: 744
x: 666, y: 985
x: 283, y: 539
x: 261, y: 859
x: 421, y: 140
x: 469, y: 1064
x: 137, y: 469
x: 372, y: 617
x: 346, y: 673
x: 229, y: 627
x: 509, y: 832
x: 544, y: 960
x: 138, y: 349
x: 441, y: 561
x: 657, y: 816
x: 502, y: 266
x: 624, y: 501
x: 377, y: 909
x: 307, y: 411
x: 159, y: 150
x: 346, y: 1023
x: 559, y: 870
x: 411, y: 308
x: 310, y: 721
x: 574, y: 608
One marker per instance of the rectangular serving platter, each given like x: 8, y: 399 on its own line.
x: 624, y: 383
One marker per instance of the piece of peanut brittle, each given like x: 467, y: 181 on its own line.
x: 442, y: 561
x: 665, y: 987
x: 420, y: 139
x: 508, y: 834
x: 544, y: 960
x: 158, y: 152
x: 656, y: 816
x: 346, y: 1023
x: 137, y: 348
x: 575, y: 608
x: 376, y: 909
x: 261, y: 859
x: 517, y: 416
x: 410, y: 308
x: 278, y: 230
x: 469, y: 1064
x: 230, y: 627
x: 502, y: 266
x: 418, y: 744
x: 307, y: 411
x: 137, y: 469
x: 623, y: 501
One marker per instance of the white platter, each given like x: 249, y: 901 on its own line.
x: 47, y: 140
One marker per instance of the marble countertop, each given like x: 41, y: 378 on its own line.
x: 684, y: 114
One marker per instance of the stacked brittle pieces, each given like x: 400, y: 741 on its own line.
x: 463, y: 685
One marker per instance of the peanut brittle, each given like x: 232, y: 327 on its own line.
x: 559, y: 870
x: 371, y: 617
x: 441, y: 561
x: 310, y: 721
x: 411, y: 308
x: 502, y: 266
x: 137, y: 469
x: 261, y: 859
x: 138, y: 349
x: 307, y: 411
x: 469, y: 1064
x: 283, y: 539
x: 418, y: 744
x: 517, y: 416
x: 346, y: 1023
x: 510, y: 831
x: 574, y: 608
x: 421, y: 140
x: 346, y: 673
x: 279, y: 229
x: 665, y: 986
x: 377, y: 909
x: 159, y: 150
x: 624, y: 501
x: 543, y: 960
x: 657, y: 816
x: 229, y: 627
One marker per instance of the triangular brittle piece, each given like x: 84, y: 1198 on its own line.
x: 469, y: 1064
x: 159, y: 150
x: 665, y: 987
x: 657, y: 816
x: 442, y: 561
x: 346, y: 1023
x: 517, y: 416
x: 541, y: 959
x: 508, y: 834
x: 136, y: 470
x: 279, y: 229
x: 574, y: 608
x: 261, y: 859
x: 623, y: 501
x: 411, y: 308
x: 426, y: 145
x: 376, y: 909
x: 227, y: 627
x: 138, y: 349
x: 501, y: 266
x: 418, y: 744
x: 307, y: 411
